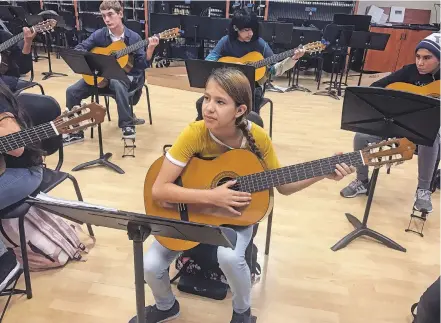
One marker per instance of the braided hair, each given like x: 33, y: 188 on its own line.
x: 237, y: 86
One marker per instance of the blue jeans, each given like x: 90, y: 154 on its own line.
x: 81, y: 90
x: 15, y: 185
x: 232, y: 262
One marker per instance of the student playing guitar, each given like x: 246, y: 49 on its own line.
x: 424, y: 71
x: 243, y: 38
x: 112, y: 13
x: 226, y: 106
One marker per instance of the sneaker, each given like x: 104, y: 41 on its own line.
x: 73, y: 138
x: 241, y: 318
x: 137, y: 121
x: 354, y: 188
x: 9, y: 267
x: 153, y: 315
x: 128, y: 132
x: 423, y: 201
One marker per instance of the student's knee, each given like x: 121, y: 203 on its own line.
x: 229, y: 260
x: 152, y: 269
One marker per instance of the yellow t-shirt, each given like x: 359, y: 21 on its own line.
x: 196, y: 139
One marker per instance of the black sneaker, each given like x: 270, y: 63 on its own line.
x: 129, y: 132
x: 153, y: 315
x: 242, y: 318
x: 73, y: 138
x: 9, y: 267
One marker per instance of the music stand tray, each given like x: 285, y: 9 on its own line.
x: 96, y: 65
x: 386, y: 113
x: 139, y: 227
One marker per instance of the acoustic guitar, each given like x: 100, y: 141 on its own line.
x: 257, y: 60
x: 79, y: 118
x: 431, y: 89
x: 121, y: 53
x: 42, y: 27
x: 243, y: 166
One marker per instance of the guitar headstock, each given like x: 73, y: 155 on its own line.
x: 80, y: 117
x: 45, y: 26
x: 315, y: 47
x: 388, y: 152
x: 170, y: 34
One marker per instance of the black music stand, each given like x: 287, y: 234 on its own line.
x: 301, y: 36
x: 339, y: 37
x: 386, y: 113
x: 367, y: 40
x: 95, y: 65
x: 139, y: 227
x: 34, y: 19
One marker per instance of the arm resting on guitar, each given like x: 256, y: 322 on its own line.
x: 9, y: 125
x: 164, y: 189
x: 398, y: 76
x: 89, y: 43
x: 216, y: 53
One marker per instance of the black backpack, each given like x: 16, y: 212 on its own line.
x: 428, y: 308
x: 199, y: 272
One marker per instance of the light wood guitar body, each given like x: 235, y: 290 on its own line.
x: 251, y: 57
x: 431, y: 89
x: 210, y: 174
x: 125, y: 61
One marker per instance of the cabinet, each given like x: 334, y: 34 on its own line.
x: 399, y: 51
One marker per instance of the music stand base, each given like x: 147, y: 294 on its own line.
x: 421, y: 219
x: 363, y: 230
x: 103, y: 161
x: 138, y: 234
x: 332, y: 94
x: 50, y: 74
x: 297, y: 88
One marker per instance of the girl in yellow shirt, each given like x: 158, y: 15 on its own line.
x: 227, y: 102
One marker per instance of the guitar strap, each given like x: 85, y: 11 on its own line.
x: 183, y: 210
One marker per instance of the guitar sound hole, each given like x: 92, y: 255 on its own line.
x: 223, y: 180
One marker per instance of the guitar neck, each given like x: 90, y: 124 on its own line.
x: 294, y: 173
x: 11, y: 41
x: 132, y: 48
x: 26, y: 137
x: 274, y: 59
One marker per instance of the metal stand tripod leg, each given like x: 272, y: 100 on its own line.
x: 50, y: 73
x: 361, y: 228
x: 297, y: 87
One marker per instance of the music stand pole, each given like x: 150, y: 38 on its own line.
x: 50, y: 73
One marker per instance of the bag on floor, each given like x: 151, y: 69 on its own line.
x: 51, y: 242
x: 428, y: 308
x: 199, y: 272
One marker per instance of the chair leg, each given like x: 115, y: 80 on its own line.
x: 24, y: 254
x: 106, y: 99
x: 80, y: 198
x: 268, y: 233
x: 148, y: 102
x: 41, y: 88
x: 271, y: 120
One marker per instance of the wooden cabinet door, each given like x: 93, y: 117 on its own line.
x: 385, y: 61
x: 409, y: 43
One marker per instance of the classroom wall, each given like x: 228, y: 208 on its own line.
x: 428, y: 5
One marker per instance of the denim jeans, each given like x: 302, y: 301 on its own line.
x: 15, y: 185
x: 232, y: 262
x: 81, y: 90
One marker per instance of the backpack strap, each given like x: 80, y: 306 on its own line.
x: 180, y: 272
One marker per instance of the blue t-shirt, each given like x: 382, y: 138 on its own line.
x: 236, y: 48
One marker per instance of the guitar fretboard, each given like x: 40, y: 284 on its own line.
x: 294, y: 173
x: 132, y: 48
x: 274, y: 59
x: 26, y: 137
x: 11, y: 41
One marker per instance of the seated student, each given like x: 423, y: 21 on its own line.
x: 19, y: 59
x: 227, y: 102
x: 112, y: 13
x: 22, y: 176
x: 243, y: 38
x: 424, y: 71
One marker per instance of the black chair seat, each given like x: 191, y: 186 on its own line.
x: 15, y: 211
x: 51, y: 179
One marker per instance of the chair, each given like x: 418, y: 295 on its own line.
x: 264, y: 102
x: 30, y: 83
x: 41, y: 109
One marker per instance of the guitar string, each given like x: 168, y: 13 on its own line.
x: 30, y: 135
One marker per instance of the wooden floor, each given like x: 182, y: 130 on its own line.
x: 302, y: 280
